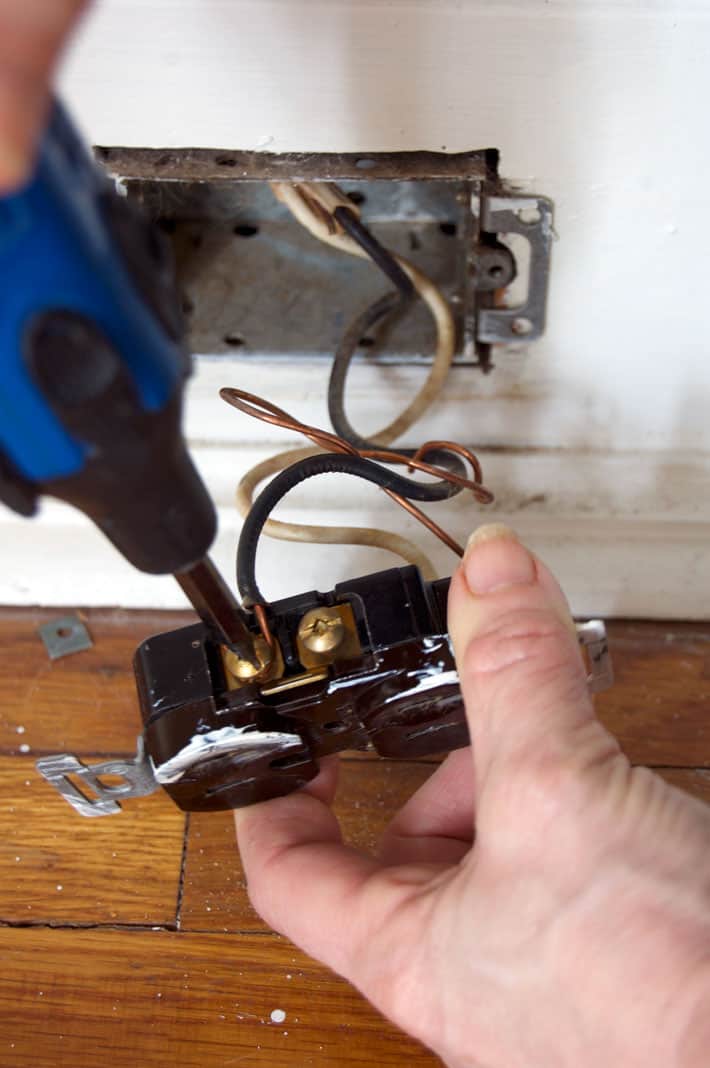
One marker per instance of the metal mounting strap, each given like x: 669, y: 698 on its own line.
x: 532, y: 218
x: 61, y: 772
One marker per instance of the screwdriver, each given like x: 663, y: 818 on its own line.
x: 94, y: 365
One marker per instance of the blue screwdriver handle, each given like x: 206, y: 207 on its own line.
x: 93, y: 361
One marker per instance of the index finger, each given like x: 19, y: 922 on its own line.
x: 32, y: 33
x: 340, y: 906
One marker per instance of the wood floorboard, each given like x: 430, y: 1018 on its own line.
x: 56, y: 867
x: 150, y: 953
x: 215, y: 899
x: 153, y: 998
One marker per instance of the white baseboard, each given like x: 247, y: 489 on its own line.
x: 628, y: 535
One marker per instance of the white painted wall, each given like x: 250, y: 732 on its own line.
x: 600, y: 104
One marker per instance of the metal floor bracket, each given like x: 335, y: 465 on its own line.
x: 61, y: 772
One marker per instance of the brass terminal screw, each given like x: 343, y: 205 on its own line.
x: 321, y: 630
x: 242, y: 669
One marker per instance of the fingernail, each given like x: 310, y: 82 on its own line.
x: 495, y: 560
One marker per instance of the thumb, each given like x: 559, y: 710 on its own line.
x: 521, y: 669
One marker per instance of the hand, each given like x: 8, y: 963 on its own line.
x: 538, y: 904
x: 31, y: 36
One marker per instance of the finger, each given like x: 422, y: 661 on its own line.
x: 436, y: 824
x: 31, y: 36
x: 520, y: 666
x: 325, y: 784
x: 338, y: 905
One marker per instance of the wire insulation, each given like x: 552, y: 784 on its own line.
x: 320, y: 535
x: 326, y: 212
x: 267, y: 412
x: 348, y: 461
x: 301, y: 199
x: 324, y: 463
x: 380, y: 256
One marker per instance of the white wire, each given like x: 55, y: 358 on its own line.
x: 313, y: 204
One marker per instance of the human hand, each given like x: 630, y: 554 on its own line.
x: 538, y: 903
x: 31, y: 36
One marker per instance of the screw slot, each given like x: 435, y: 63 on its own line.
x: 234, y: 341
x: 321, y: 630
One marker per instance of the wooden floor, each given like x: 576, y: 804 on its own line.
x: 130, y: 939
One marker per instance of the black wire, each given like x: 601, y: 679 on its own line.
x: 379, y: 255
x: 380, y: 310
x: 330, y: 463
x: 325, y: 463
x: 376, y: 313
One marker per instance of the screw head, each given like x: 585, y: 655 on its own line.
x: 321, y: 630
x: 242, y: 669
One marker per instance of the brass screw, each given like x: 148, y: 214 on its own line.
x: 242, y: 669
x: 321, y: 630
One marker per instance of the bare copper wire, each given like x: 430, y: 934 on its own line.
x: 429, y: 523
x: 259, y: 408
x: 483, y: 495
x: 460, y: 450
x: 260, y: 613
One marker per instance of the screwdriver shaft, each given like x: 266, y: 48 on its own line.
x: 217, y: 607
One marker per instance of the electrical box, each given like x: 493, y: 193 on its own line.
x: 254, y: 280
